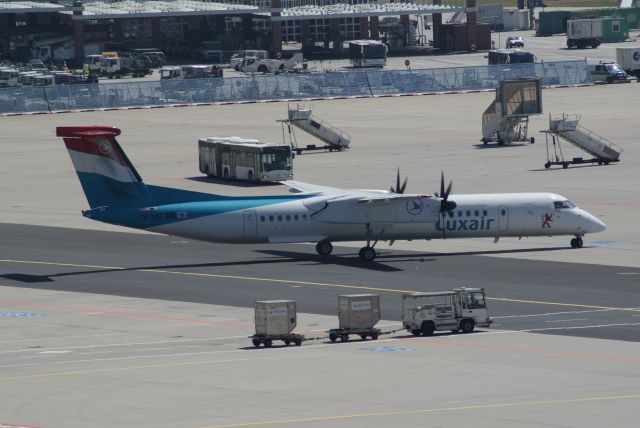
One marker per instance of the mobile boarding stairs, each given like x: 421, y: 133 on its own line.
x: 302, y: 117
x: 567, y: 128
x: 507, y: 118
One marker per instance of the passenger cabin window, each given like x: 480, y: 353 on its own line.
x: 559, y: 205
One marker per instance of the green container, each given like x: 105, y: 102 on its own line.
x: 553, y: 22
x: 614, y: 30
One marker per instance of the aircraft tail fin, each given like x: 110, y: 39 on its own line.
x: 107, y: 176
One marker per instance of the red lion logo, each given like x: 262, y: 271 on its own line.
x: 546, y: 220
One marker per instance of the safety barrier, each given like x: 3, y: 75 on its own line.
x: 369, y: 83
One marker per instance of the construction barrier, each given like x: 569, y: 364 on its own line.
x: 292, y: 86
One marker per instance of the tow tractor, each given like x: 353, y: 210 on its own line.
x: 459, y: 309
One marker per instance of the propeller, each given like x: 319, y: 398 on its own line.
x: 399, y: 187
x: 446, y: 206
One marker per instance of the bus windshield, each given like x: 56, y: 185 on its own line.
x: 276, y: 159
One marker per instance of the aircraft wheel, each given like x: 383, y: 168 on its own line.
x: 579, y: 242
x: 565, y: 165
x: 574, y: 243
x: 367, y: 254
x: 532, y: 140
x: 324, y: 248
x: 547, y: 165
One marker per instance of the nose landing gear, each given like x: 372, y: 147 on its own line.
x: 576, y: 242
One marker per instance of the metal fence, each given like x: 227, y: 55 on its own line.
x: 283, y: 87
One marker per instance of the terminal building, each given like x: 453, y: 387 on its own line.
x: 178, y: 27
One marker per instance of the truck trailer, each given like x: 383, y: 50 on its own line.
x: 628, y: 58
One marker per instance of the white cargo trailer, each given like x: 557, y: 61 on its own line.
x: 358, y: 314
x: 629, y: 59
x: 275, y: 320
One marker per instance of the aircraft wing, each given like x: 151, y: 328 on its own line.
x: 389, y: 197
x: 391, y: 208
x: 299, y: 186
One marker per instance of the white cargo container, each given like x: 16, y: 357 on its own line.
x: 629, y: 59
x: 358, y: 311
x: 584, y: 32
x: 275, y: 317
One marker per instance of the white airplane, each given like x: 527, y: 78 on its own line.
x: 117, y: 195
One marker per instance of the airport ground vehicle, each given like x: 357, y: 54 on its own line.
x: 244, y: 159
x: 459, y: 309
x: 121, y: 66
x: 515, y: 42
x: 510, y: 56
x: 607, y: 71
x: 9, y: 77
x: 584, y: 32
x: 629, y: 60
x: 237, y: 59
x: 252, y: 64
x: 93, y: 63
x: 367, y: 53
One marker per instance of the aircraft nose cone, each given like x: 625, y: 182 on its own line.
x: 593, y: 224
x: 597, y: 226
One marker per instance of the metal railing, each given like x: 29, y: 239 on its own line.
x: 283, y: 87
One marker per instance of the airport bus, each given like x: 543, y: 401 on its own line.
x: 367, y: 53
x: 245, y: 159
x: 510, y: 56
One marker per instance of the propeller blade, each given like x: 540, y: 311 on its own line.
x: 442, y: 195
x: 399, y: 187
x: 404, y: 185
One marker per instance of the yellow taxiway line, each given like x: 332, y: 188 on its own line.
x: 309, y: 283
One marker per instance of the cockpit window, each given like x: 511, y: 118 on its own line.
x: 563, y: 205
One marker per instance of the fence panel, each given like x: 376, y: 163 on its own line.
x: 284, y: 86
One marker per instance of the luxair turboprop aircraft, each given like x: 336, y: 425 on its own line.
x: 117, y: 195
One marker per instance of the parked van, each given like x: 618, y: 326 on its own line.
x: 607, y: 71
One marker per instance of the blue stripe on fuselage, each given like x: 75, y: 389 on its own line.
x: 158, y: 215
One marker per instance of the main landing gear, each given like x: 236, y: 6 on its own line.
x: 366, y: 254
x: 576, y: 242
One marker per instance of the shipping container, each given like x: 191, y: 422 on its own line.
x: 629, y: 59
x: 554, y: 22
x: 358, y: 311
x: 275, y: 317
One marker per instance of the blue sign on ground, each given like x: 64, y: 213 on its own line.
x: 19, y: 315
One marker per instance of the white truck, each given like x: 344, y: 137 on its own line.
x: 252, y: 64
x: 238, y: 58
x: 60, y: 49
x: 629, y: 60
x: 584, y: 32
x: 9, y: 77
x: 459, y: 309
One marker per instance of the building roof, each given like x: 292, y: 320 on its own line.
x: 291, y: 9
x: 30, y: 6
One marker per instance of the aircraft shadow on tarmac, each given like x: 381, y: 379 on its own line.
x: 281, y: 256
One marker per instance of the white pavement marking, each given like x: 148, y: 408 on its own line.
x: 552, y: 313
x: 569, y: 320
